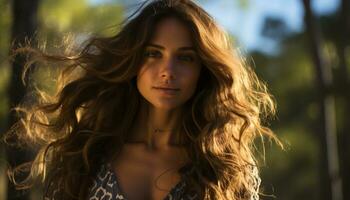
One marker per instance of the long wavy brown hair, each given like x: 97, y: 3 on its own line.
x: 87, y: 119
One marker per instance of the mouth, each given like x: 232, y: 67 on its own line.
x: 167, y: 91
x: 167, y: 88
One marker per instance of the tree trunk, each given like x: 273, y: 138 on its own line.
x: 24, y: 15
x: 343, y: 85
x: 330, y: 180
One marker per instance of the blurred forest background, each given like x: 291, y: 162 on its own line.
x: 307, y: 71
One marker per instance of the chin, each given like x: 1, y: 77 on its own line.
x: 166, y: 105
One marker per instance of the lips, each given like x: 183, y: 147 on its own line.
x: 167, y: 88
x: 167, y: 91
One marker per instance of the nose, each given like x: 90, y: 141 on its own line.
x: 168, y: 69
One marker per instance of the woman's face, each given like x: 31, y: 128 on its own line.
x: 171, y: 67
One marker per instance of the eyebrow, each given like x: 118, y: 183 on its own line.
x: 190, y: 48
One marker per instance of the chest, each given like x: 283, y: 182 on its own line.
x: 147, y: 176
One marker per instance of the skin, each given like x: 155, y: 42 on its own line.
x: 166, y: 80
x: 169, y: 62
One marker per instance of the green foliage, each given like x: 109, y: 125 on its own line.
x: 71, y: 18
x: 102, y: 19
x: 4, y: 77
x: 4, y: 68
x: 77, y: 17
x: 291, y: 174
x: 5, y: 21
x: 244, y: 4
x: 58, y: 15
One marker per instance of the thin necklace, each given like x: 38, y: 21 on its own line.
x: 157, y: 130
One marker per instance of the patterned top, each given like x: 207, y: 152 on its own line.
x: 106, y: 187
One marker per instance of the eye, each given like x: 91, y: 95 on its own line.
x: 152, y: 54
x: 186, y: 58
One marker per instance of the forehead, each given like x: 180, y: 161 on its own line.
x: 172, y: 31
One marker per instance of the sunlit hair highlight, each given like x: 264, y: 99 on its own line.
x: 85, y: 121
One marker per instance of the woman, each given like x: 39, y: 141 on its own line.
x: 162, y: 110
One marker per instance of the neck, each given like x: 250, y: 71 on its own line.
x: 156, y: 127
